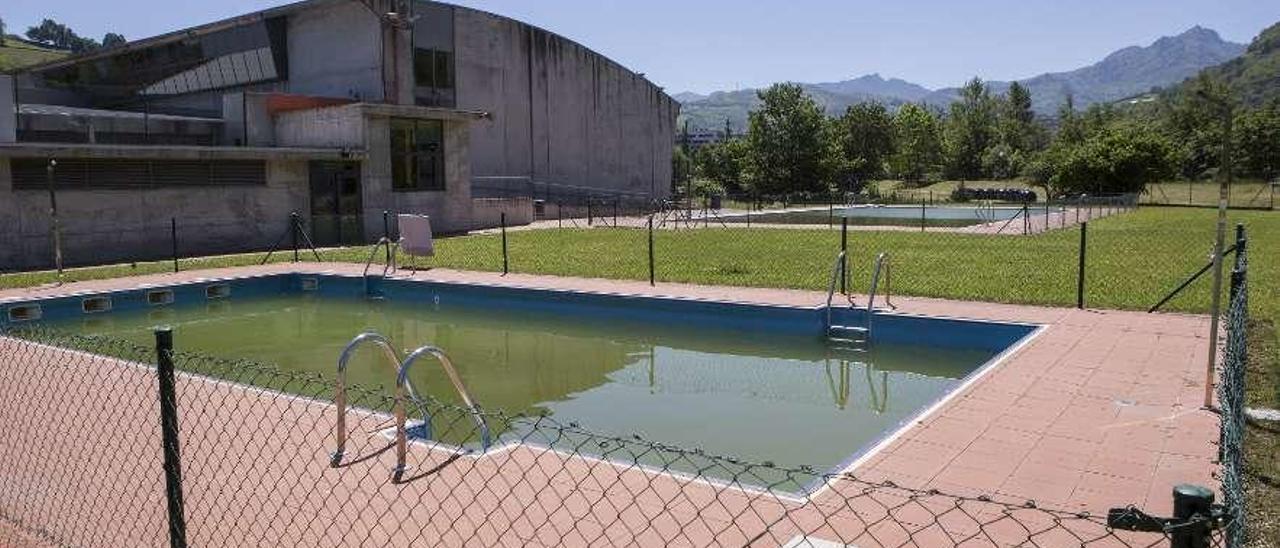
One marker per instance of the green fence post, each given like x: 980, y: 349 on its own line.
x: 502, y: 219
x: 844, y: 249
x: 1084, y: 230
x: 173, y: 239
x: 651, y: 276
x: 169, y: 435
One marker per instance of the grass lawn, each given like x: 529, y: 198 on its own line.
x: 1262, y: 440
x: 15, y: 55
x: 1205, y: 193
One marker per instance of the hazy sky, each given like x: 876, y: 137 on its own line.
x: 706, y: 45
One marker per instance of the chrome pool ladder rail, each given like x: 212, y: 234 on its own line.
x: 404, y: 390
x: 883, y: 264
x: 837, y: 271
x: 390, y: 267
x: 340, y: 394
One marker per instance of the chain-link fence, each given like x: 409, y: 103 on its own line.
x: 1231, y: 396
x: 107, y: 445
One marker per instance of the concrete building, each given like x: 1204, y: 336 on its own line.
x: 336, y: 109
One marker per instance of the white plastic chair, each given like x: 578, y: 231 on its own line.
x: 415, y: 236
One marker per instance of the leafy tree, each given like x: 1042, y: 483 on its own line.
x: 1194, y: 120
x: 723, y: 163
x: 1070, y: 127
x: 681, y: 168
x: 1016, y: 127
x: 1120, y: 159
x: 970, y: 130
x: 919, y: 143
x: 58, y: 35
x: 864, y: 141
x: 111, y: 40
x: 788, y: 145
x: 1258, y: 141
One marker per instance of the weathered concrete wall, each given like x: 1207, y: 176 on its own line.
x: 8, y: 117
x: 332, y: 127
x: 487, y: 212
x: 561, y: 113
x: 450, y: 210
x: 104, y: 226
x: 334, y: 51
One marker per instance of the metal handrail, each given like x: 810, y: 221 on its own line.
x: 882, y: 264
x: 340, y: 395
x: 403, y: 389
x: 836, y: 272
x: 390, y: 266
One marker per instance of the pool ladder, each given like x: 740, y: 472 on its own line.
x: 390, y: 267
x: 405, y: 393
x: 857, y: 337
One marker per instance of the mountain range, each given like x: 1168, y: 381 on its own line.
x: 1124, y: 73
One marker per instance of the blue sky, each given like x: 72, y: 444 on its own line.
x: 706, y: 45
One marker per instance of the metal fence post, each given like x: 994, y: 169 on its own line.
x: 1026, y: 219
x: 169, y: 433
x: 293, y: 233
x: 1189, y: 503
x: 559, y: 215
x: 503, y: 221
x: 173, y: 239
x: 844, y: 253
x: 1084, y: 231
x: 589, y: 212
x: 922, y: 215
x: 651, y: 269
x: 386, y: 232
x: 615, y: 212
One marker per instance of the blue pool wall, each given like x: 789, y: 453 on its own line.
x: 756, y: 319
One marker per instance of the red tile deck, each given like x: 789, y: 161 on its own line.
x: 1099, y: 409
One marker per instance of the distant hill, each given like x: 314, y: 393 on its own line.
x: 1124, y: 73
x: 1254, y: 76
x: 17, y: 53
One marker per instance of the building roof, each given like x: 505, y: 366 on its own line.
x: 60, y: 110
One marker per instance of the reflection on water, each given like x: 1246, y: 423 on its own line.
x: 760, y: 396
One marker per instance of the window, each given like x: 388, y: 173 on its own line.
x: 99, y: 173
x: 417, y: 155
x: 432, y: 68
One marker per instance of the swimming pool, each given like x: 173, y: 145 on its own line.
x: 752, y: 381
x: 894, y: 215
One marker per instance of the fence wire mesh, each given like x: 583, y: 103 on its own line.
x: 83, y: 467
x: 1231, y: 398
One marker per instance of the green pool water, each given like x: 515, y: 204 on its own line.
x: 791, y: 400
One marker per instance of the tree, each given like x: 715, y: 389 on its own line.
x: 1017, y: 122
x: 1193, y: 120
x: 864, y: 141
x: 788, y: 146
x: 681, y: 168
x: 918, y: 143
x: 723, y: 163
x: 55, y: 34
x: 969, y: 130
x: 1258, y: 141
x: 2, y: 34
x: 1120, y: 159
x: 111, y: 40
x: 1070, y: 128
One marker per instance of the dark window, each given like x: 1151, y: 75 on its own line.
x: 433, y: 68
x: 417, y: 155
x: 104, y: 173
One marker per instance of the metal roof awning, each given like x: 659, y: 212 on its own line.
x: 174, y: 152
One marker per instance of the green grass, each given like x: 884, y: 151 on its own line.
x: 1205, y: 193
x: 1133, y: 259
x: 14, y: 55
x: 1262, y: 440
